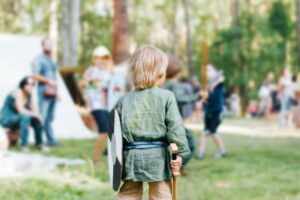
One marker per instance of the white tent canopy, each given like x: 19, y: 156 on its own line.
x: 16, y: 55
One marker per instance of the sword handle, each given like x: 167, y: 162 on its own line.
x: 174, y: 151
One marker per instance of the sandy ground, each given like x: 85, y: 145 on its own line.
x: 252, y: 127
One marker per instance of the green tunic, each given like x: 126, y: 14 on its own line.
x: 150, y: 115
x: 181, y: 98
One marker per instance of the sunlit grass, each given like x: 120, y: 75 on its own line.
x: 257, y: 168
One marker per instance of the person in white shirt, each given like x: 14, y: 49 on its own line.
x: 96, y: 81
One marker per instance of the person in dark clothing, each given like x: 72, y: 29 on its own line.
x: 213, y: 112
x: 173, y: 72
x: 19, y: 112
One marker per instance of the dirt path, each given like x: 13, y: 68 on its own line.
x: 253, y: 127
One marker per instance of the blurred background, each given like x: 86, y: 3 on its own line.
x: 247, y: 39
x: 256, y: 43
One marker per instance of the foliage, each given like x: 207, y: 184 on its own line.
x: 279, y: 19
x: 254, y: 46
x: 95, y: 30
x: 262, y: 39
x: 29, y: 17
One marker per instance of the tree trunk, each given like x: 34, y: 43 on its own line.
x: 298, y: 28
x: 53, y: 26
x: 189, y: 39
x: 70, y: 32
x: 174, y: 31
x: 235, y: 11
x: 70, y: 39
x: 120, y: 32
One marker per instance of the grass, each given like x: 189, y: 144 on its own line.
x: 257, y: 168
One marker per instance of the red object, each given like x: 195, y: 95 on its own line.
x: 117, y: 89
x: 298, y: 94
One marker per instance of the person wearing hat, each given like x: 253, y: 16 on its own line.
x: 96, y: 81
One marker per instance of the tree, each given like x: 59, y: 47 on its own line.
x: 298, y: 29
x: 120, y: 32
x: 174, y: 27
x: 70, y: 39
x: 235, y: 11
x: 189, y: 38
x: 53, y: 26
x: 70, y: 32
x: 279, y: 21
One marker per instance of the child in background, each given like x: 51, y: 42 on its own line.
x: 150, y: 122
x: 252, y: 109
x: 96, y: 81
x: 213, y: 112
x: 235, y: 101
x: 173, y: 72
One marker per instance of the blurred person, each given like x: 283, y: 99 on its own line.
x: 45, y: 73
x: 96, y: 80
x: 199, y: 104
x: 252, y: 109
x: 296, y: 114
x: 188, y: 108
x: 265, y: 101
x: 284, y: 93
x: 265, y: 94
x: 213, y: 112
x: 293, y: 90
x: 295, y: 101
x: 195, y: 84
x: 20, y: 111
x: 235, y: 103
x: 172, y: 83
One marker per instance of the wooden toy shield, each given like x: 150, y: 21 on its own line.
x: 115, y: 150
x: 116, y: 89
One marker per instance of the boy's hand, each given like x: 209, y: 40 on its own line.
x: 203, y: 94
x: 176, y: 164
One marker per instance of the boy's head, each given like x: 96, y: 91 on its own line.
x: 174, y: 67
x: 101, y: 56
x: 148, y: 66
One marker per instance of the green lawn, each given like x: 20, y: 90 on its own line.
x: 257, y: 168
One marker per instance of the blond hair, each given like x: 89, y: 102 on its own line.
x: 147, y: 65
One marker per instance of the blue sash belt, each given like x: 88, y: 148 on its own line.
x: 145, y: 145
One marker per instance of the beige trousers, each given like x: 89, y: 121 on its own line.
x: 161, y: 190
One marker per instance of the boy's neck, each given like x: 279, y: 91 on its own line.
x: 157, y: 84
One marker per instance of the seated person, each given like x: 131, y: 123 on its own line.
x: 20, y: 111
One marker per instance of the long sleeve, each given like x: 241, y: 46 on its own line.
x: 180, y: 96
x: 183, y: 98
x: 175, y: 130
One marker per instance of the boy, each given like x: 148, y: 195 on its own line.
x: 150, y: 122
x: 173, y: 72
x: 213, y: 112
